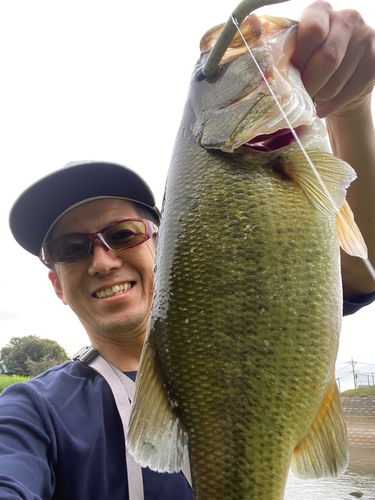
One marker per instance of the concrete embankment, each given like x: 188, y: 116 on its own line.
x: 360, y: 420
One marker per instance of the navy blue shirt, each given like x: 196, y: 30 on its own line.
x: 352, y: 306
x: 62, y: 438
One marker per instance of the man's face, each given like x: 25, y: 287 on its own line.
x: 115, y: 316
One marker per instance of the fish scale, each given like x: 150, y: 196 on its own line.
x: 208, y: 272
x: 237, y: 371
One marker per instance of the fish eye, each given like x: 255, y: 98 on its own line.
x: 199, y: 76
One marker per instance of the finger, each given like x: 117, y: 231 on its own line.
x: 313, y: 30
x: 356, y: 75
x: 358, y: 86
x: 329, y: 56
x: 341, y: 76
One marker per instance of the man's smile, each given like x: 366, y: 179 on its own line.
x: 114, y: 290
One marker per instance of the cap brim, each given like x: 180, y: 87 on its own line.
x: 40, y: 205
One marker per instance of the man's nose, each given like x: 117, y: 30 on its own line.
x: 103, y: 259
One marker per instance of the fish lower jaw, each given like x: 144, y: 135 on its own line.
x: 115, y: 290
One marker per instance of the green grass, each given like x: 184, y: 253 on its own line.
x: 5, y: 381
x: 362, y: 392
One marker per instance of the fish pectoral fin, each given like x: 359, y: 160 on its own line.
x: 350, y: 237
x: 324, y: 452
x: 336, y: 176
x: 156, y: 437
x: 325, y: 188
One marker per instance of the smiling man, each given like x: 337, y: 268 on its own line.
x: 111, y: 292
x: 94, y: 225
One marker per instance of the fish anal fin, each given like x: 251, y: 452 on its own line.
x: 156, y: 437
x: 350, y: 237
x: 324, y: 183
x: 324, y: 452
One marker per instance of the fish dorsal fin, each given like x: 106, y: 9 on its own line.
x: 336, y: 176
x: 350, y: 237
x: 324, y: 452
x: 156, y: 437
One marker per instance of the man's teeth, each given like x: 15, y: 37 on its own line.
x: 115, y: 290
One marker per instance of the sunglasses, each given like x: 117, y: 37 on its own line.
x: 120, y: 235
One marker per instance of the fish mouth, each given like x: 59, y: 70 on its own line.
x: 271, y: 142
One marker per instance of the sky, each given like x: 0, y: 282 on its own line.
x: 87, y: 79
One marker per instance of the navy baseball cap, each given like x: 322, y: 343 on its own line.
x: 43, y: 203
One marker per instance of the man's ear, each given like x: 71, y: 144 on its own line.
x: 57, y: 286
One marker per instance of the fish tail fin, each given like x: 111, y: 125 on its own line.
x: 156, y: 437
x: 324, y: 452
x: 327, y: 192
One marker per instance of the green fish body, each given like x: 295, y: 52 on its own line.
x: 238, y: 366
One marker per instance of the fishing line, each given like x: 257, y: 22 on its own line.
x: 370, y: 268
x: 367, y: 262
x: 311, y: 164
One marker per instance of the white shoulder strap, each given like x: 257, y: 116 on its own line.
x: 118, y: 381
x: 117, y: 384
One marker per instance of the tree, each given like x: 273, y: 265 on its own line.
x: 31, y: 355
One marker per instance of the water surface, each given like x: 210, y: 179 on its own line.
x: 359, y: 477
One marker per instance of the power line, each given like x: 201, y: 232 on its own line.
x: 343, y: 368
x: 351, y: 368
x: 357, y: 362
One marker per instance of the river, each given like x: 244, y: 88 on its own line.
x: 359, y: 477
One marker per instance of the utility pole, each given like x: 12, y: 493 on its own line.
x: 353, y: 364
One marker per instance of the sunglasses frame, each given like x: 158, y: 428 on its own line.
x: 150, y: 230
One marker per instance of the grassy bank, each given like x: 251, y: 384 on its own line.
x: 362, y: 392
x: 5, y: 381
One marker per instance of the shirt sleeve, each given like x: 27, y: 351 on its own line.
x: 353, y: 305
x: 26, y: 445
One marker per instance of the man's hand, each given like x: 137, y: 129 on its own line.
x: 335, y: 54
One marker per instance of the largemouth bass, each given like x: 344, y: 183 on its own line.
x: 238, y: 366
